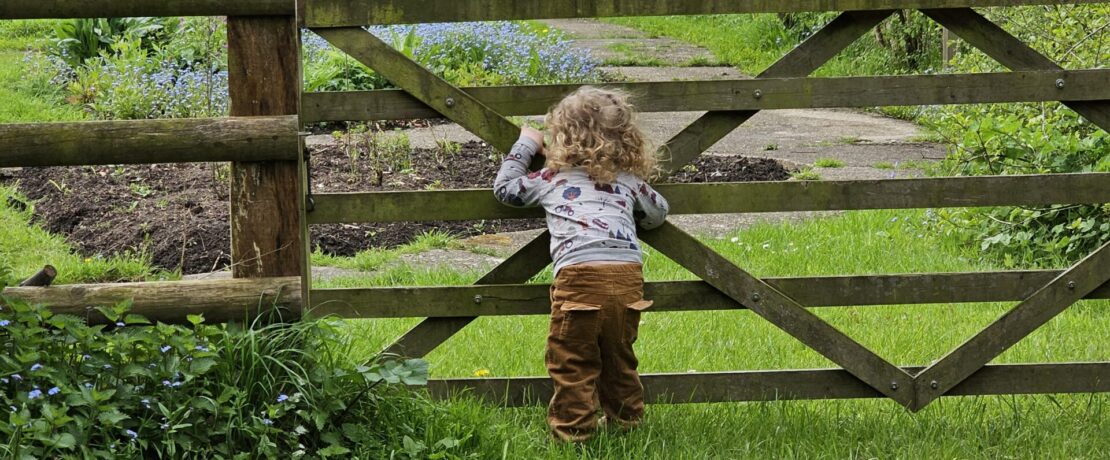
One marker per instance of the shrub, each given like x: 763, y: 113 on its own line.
x: 1039, y: 138
x: 79, y: 40
x: 202, y: 391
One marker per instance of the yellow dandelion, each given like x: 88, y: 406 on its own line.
x: 483, y: 372
x: 87, y: 260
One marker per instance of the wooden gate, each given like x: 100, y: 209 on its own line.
x: 729, y: 103
x: 269, y: 194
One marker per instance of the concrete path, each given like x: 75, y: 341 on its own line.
x: 870, y: 146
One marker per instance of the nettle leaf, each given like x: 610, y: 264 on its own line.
x: 111, y: 418
x: 201, y: 365
x: 333, y: 450
x: 64, y: 441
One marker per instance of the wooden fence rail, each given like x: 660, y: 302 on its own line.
x: 723, y: 198
x: 149, y: 141
x: 751, y: 94
x: 824, y: 291
x: 781, y: 385
x: 63, y: 9
x: 170, y: 302
x: 345, y: 13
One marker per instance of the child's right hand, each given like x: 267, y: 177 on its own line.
x: 535, y: 135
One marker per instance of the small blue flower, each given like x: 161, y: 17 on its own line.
x: 267, y: 422
x: 17, y: 377
x: 4, y: 323
x: 88, y: 385
x: 165, y: 348
x: 120, y: 324
x: 166, y: 383
x: 146, y: 403
x: 36, y: 393
x: 202, y: 348
x: 107, y: 366
x: 131, y: 434
x: 14, y: 409
x: 53, y: 391
x: 282, y: 398
x: 36, y: 367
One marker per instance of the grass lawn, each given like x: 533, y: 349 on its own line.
x: 751, y: 42
x: 855, y: 243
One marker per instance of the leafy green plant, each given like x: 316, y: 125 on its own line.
x: 79, y: 40
x: 134, y: 389
x: 828, y: 163
x: 806, y: 174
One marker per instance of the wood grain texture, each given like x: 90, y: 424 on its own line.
x: 267, y: 198
x: 740, y: 95
x: 726, y: 198
x: 1033, y: 312
x: 340, y: 13
x: 170, y: 302
x: 148, y: 141
x: 63, y: 9
x: 782, y: 385
x: 824, y: 291
x: 425, y: 86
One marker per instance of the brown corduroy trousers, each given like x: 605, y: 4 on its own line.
x: 595, y: 316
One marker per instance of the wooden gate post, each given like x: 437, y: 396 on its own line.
x: 268, y: 233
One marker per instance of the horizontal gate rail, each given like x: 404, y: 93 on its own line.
x: 63, y: 9
x: 999, y: 379
x: 724, y: 198
x: 340, y: 13
x: 747, y: 94
x: 149, y: 141
x: 826, y: 291
x: 171, y: 301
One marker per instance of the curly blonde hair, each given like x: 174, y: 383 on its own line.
x: 595, y: 129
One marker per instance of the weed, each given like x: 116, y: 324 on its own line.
x: 828, y: 163
x: 805, y: 174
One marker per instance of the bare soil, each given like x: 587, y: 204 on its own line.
x: 178, y: 214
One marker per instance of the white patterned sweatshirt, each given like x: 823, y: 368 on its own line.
x: 588, y: 221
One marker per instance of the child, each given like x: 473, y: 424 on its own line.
x: 594, y: 193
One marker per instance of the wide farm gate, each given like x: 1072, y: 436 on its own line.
x: 272, y: 210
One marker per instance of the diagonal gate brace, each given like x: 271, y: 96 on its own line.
x: 783, y: 311
x: 1064, y: 291
x: 683, y: 147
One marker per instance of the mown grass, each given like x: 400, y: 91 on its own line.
x: 855, y: 243
x: 751, y: 42
x: 25, y: 247
x: 26, y: 97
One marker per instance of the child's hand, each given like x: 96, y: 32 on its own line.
x: 535, y: 135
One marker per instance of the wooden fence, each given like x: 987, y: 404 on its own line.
x: 268, y: 200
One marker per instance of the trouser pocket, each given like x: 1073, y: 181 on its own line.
x: 579, y: 321
x: 632, y: 319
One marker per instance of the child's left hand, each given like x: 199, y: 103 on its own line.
x: 535, y: 135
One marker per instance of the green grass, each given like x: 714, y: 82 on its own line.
x: 854, y: 243
x: 25, y: 247
x: 374, y: 259
x: 884, y: 165
x: 828, y: 163
x: 23, y: 34
x: 806, y: 174
x: 752, y: 42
